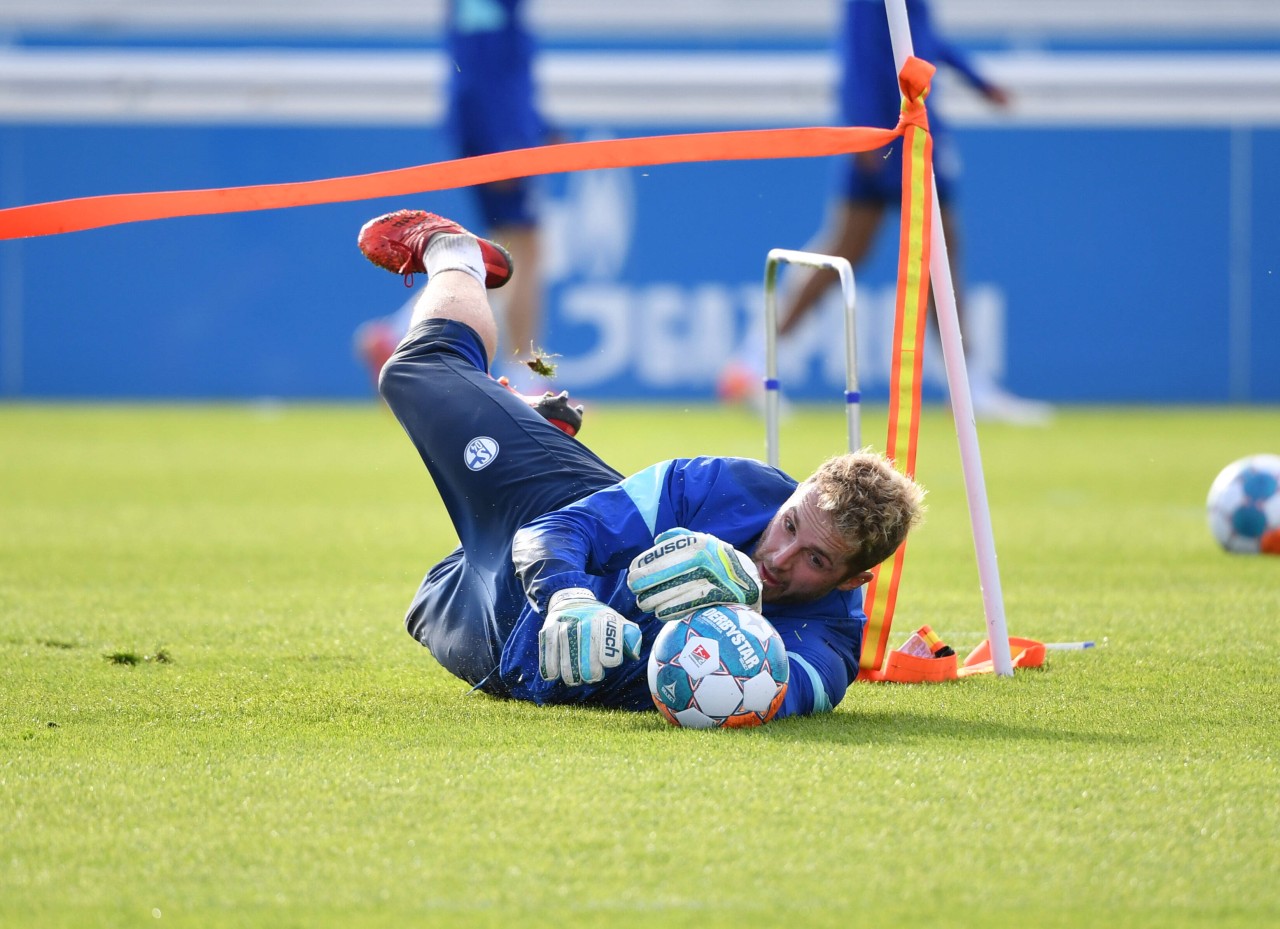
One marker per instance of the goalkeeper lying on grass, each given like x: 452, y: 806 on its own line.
x: 566, y: 570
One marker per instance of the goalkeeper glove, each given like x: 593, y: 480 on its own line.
x: 685, y: 571
x: 581, y: 637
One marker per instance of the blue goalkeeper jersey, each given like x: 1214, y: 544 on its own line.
x: 591, y: 542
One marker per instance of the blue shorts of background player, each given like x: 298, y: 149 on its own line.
x: 876, y: 177
x: 492, y: 100
x: 481, y: 129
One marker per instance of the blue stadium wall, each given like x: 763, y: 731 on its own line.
x: 1108, y: 264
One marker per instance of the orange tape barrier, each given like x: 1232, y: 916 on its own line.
x: 94, y: 212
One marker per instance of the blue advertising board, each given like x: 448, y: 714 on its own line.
x: 1101, y: 263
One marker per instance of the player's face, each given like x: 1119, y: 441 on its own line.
x: 800, y: 555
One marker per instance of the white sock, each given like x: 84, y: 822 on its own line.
x: 447, y: 252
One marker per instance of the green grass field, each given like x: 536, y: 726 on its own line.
x: 212, y: 716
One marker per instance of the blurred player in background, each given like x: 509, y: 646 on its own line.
x: 491, y: 108
x: 550, y: 597
x: 872, y: 184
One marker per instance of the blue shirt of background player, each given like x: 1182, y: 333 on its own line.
x: 491, y: 90
x: 869, y: 94
x: 591, y: 542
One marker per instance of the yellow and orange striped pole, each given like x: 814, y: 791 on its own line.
x: 911, y: 309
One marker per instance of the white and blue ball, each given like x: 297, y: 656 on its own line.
x: 1244, y: 506
x: 719, y: 667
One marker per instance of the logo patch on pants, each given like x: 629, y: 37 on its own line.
x: 480, y: 452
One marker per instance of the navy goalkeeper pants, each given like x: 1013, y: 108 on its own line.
x: 497, y: 465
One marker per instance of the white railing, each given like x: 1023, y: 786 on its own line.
x: 616, y: 89
x: 1026, y: 20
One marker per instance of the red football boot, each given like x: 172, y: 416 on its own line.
x: 397, y: 240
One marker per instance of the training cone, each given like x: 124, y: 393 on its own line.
x: 1025, y: 653
x: 925, y: 659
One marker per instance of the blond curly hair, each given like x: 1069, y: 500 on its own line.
x: 872, y: 503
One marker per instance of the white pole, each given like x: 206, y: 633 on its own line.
x: 961, y: 403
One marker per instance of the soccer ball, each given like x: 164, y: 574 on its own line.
x: 721, y: 666
x: 1244, y: 506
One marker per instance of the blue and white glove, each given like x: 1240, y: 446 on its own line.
x: 581, y: 637
x: 685, y: 571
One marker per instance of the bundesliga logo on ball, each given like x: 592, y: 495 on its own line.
x: 1244, y: 506
x: 722, y: 666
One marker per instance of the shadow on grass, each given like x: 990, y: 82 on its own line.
x: 862, y: 727
x: 879, y: 727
